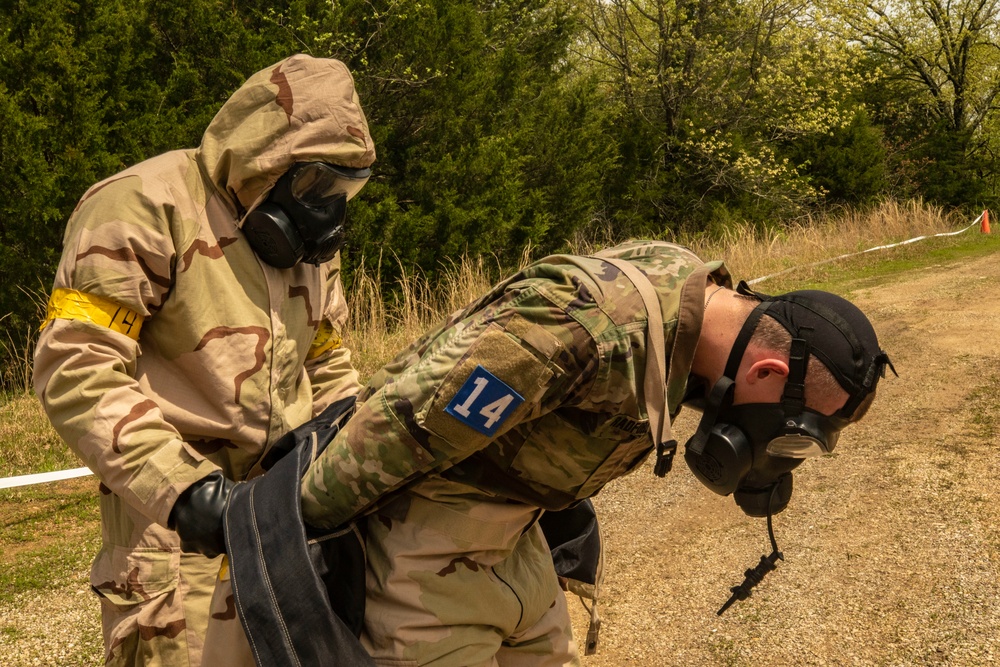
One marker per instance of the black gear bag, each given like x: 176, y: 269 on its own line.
x: 300, y: 596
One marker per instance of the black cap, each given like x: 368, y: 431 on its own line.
x: 841, y: 337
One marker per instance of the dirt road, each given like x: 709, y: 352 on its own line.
x: 892, y: 545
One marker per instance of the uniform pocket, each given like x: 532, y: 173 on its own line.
x: 127, y: 577
x: 623, y: 459
x: 565, y: 452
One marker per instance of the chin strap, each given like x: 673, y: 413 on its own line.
x: 756, y: 574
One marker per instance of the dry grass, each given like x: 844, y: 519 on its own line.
x: 17, y: 345
x: 751, y: 252
x: 376, y: 330
x: 28, y: 444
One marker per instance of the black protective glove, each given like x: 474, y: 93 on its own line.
x: 197, y: 515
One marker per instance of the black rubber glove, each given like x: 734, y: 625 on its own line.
x: 197, y: 515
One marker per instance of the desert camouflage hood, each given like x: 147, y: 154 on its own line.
x: 299, y: 110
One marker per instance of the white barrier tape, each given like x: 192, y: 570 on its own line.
x: 861, y: 252
x: 41, y: 478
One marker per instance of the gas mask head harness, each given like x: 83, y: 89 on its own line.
x: 304, y: 216
x: 749, y: 450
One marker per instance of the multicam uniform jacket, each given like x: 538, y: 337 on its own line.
x: 532, y: 394
x: 170, y: 350
x: 530, y: 398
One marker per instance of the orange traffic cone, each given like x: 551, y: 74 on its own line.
x: 984, y: 226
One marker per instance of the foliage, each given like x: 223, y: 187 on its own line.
x: 486, y: 143
x: 710, y: 92
x: 506, y: 124
x: 847, y: 164
x: 941, y: 67
x: 90, y: 87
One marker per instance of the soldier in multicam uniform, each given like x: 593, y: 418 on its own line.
x: 538, y: 395
x: 194, y: 319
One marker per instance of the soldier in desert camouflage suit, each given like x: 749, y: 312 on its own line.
x: 530, y: 399
x: 171, y: 351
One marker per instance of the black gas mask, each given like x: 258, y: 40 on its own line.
x: 304, y: 216
x: 746, y: 450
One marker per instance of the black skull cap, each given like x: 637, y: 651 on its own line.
x: 841, y: 337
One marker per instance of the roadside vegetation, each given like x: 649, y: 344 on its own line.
x: 386, y: 317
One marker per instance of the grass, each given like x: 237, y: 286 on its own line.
x: 750, y: 251
x: 48, y: 534
x: 873, y: 269
x: 27, y: 442
x: 375, y: 332
x: 46, y: 568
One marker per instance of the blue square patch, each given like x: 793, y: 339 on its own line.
x: 484, y: 402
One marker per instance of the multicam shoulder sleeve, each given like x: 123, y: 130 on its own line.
x: 475, y: 381
x: 116, y: 271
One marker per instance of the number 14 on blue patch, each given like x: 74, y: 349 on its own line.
x: 484, y: 402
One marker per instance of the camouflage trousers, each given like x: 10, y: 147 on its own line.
x: 158, y: 627
x: 194, y: 624
x: 160, y: 607
x: 458, y: 580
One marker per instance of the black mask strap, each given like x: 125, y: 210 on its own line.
x: 793, y: 399
x: 744, y: 288
x: 722, y: 393
x: 740, y: 344
x: 721, y: 397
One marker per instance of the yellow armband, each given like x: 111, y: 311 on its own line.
x: 327, y: 338
x: 68, y: 304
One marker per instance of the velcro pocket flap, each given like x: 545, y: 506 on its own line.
x: 128, y: 577
x: 487, y: 392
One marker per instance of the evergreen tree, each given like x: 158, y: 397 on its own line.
x: 487, y: 140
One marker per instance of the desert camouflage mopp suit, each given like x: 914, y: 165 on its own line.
x: 529, y: 400
x: 171, y: 351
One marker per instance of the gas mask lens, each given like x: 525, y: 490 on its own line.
x: 317, y: 184
x: 796, y: 447
x: 809, y: 435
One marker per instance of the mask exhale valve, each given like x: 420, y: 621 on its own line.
x: 756, y: 574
